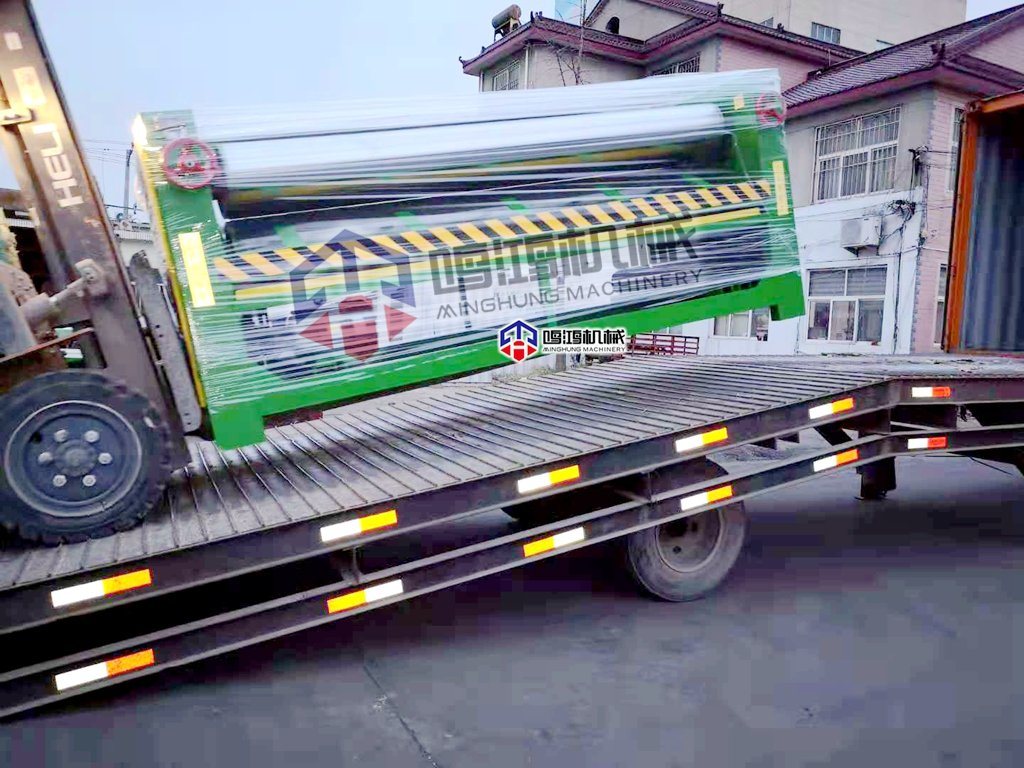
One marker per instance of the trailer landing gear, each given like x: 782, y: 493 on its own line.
x: 82, y: 456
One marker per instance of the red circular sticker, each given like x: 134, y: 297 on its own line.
x: 189, y: 163
x: 770, y: 110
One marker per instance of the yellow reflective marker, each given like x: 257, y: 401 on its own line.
x: 352, y: 600
x: 831, y: 462
x: 699, y: 441
x: 548, y: 479
x: 104, y: 669
x: 358, y: 525
x: 91, y: 590
x: 705, y: 498
x: 830, y: 409
x: 563, y: 539
x: 196, y: 269
x: 781, y: 198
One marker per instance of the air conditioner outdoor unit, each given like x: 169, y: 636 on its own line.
x: 862, y: 232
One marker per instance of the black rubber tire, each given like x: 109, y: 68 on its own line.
x: 649, y: 568
x: 136, y: 494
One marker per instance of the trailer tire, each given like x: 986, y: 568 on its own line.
x: 81, y: 456
x: 685, y: 559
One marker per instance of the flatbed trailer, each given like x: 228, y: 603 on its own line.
x: 295, y: 532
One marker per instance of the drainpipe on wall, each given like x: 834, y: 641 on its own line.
x: 526, y: 66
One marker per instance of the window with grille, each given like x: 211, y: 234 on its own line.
x: 954, y: 149
x: 846, y: 304
x: 857, y: 156
x: 940, y: 304
x: 506, y: 79
x: 825, y: 33
x: 691, y: 64
x: 753, y: 323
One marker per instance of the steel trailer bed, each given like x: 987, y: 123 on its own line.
x: 274, y: 533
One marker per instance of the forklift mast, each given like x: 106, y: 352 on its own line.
x: 71, y: 221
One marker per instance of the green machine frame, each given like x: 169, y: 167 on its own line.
x: 200, y: 262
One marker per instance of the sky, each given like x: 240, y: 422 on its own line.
x: 136, y: 56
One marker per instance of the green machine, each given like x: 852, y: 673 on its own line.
x: 322, y: 256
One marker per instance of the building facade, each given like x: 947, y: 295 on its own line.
x: 867, y: 25
x: 872, y: 140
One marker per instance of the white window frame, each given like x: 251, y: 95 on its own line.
x: 751, y: 329
x: 940, y: 305
x: 691, y: 64
x: 844, y: 297
x: 509, y: 84
x: 954, y: 147
x: 859, y: 155
x: 825, y: 33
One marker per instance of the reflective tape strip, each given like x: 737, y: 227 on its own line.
x: 831, y: 462
x: 645, y: 207
x: 196, y: 270
x: 104, y: 669
x: 447, y: 237
x: 263, y: 264
x: 729, y: 195
x: 929, y: 392
x: 563, y: 539
x: 500, y: 228
x: 713, y: 201
x: 749, y: 191
x: 527, y: 226
x: 552, y: 222
x: 573, y: 215
x: 547, y: 479
x: 829, y: 409
x: 418, y: 241
x: 781, y: 200
x: 598, y: 213
x: 475, y: 232
x: 669, y: 206
x: 384, y: 242
x: 705, y: 498
x: 101, y: 588
x: 694, y: 442
x: 357, y: 526
x: 687, y: 200
x: 924, y: 443
x: 363, y: 596
x: 624, y: 213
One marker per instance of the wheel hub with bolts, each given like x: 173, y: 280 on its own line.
x: 687, y: 544
x: 67, y: 452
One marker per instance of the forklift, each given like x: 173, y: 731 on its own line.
x: 85, y: 452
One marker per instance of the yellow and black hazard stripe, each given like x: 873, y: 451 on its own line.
x: 381, y: 251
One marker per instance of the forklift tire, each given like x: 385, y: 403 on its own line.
x: 82, y: 456
x: 687, y: 558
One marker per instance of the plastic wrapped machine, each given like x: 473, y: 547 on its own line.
x: 324, y: 253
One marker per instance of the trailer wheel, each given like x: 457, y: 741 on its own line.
x: 687, y: 558
x: 82, y: 456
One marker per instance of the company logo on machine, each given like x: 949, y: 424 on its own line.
x: 352, y: 326
x: 518, y: 341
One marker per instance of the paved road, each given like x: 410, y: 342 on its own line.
x: 850, y: 634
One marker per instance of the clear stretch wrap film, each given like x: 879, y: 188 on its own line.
x: 326, y: 252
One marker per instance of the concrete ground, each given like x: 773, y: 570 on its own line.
x: 849, y: 634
